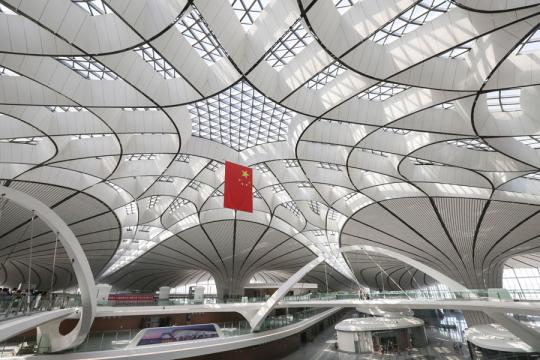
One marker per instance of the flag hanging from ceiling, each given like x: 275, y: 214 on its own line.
x: 238, y: 187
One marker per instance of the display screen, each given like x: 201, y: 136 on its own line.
x: 177, y: 333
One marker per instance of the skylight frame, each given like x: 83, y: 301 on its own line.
x: 177, y: 203
x: 532, y: 141
x: 292, y: 43
x: 326, y: 75
x: 32, y: 140
x: 183, y: 158
x: 93, y: 7
x: 471, y: 144
x: 6, y: 11
x: 213, y: 165
x: 248, y: 11
x: 291, y: 163
x: 64, y: 109
x: 87, y: 67
x: 458, y: 52
x: 382, y: 91
x: 508, y: 100
x: 314, y: 206
x: 153, y: 201
x: 396, y: 131
x: 291, y: 206
x: 114, y: 186
x: 153, y: 58
x: 343, y: 6
x: 4, y: 71
x: 166, y: 179
x: 531, y: 44
x: 131, y: 208
x: 421, y: 13
x: 277, y: 188
x: 329, y: 166
x: 240, y: 117
x: 141, y: 157
x: 196, y: 31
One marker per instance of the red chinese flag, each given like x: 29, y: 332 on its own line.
x: 238, y: 187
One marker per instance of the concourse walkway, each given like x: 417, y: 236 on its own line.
x: 322, y: 348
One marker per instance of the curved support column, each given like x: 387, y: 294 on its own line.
x: 81, y: 267
x: 261, y: 314
x: 443, y: 279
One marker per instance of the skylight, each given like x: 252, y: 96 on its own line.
x: 291, y: 163
x: 374, y: 152
x: 158, y: 63
x: 328, y: 74
x: 89, y: 136
x: 137, y: 157
x: 93, y: 7
x: 198, y: 34
x: 256, y: 193
x: 62, y: 109
x: 343, y: 5
x: 471, y: 144
x: 349, y: 196
x: 131, y: 208
x: 314, y: 206
x: 329, y: 166
x: 248, y: 10
x: 444, y: 106
x: 6, y: 72
x: 23, y: 140
x: 396, y: 131
x: 154, y: 199
x: 530, y: 45
x: 217, y: 193
x: 213, y: 165
x: 194, y: 184
x: 533, y: 176
x: 291, y: 206
x: 262, y: 168
x: 290, y: 45
x: 6, y: 11
x: 418, y: 15
x: 423, y: 162
x: 532, y: 141
x: 114, y: 186
x: 240, y: 117
x: 458, y: 52
x: 87, y: 67
x: 504, y: 100
x: 166, y: 178
x: 276, y: 188
x: 304, y: 185
x: 140, y: 109
x: 382, y: 91
x: 177, y: 204
x: 183, y: 158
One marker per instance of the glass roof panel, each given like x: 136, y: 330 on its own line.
x: 418, y: 15
x: 198, y: 34
x: 93, y: 7
x: 240, y: 117
x: 248, y: 10
x: 291, y: 44
x: 87, y: 67
x: 326, y: 75
x: 158, y: 63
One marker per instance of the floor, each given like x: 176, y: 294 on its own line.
x: 441, y: 346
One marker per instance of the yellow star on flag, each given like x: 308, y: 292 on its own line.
x: 245, y: 173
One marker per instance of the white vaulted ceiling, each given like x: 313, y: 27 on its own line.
x: 408, y: 125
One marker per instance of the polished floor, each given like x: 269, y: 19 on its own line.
x: 441, y: 346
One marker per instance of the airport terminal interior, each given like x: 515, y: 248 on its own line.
x: 270, y: 179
